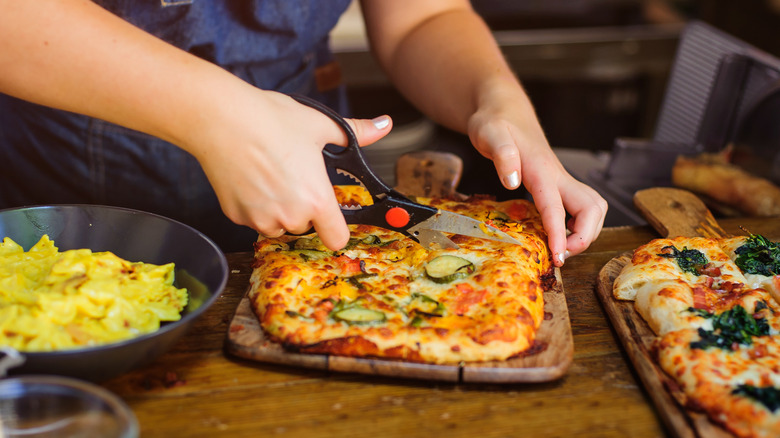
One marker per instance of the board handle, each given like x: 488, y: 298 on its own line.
x: 675, y: 212
x: 428, y: 174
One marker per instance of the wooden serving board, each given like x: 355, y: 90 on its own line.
x: 554, y: 348
x: 672, y: 212
x: 425, y: 174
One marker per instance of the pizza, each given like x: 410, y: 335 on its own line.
x: 713, y: 305
x: 386, y: 296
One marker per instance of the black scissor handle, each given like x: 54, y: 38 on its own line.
x: 386, y: 199
x: 350, y: 158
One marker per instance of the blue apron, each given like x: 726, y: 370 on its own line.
x: 50, y: 156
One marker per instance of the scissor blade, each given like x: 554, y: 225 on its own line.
x: 432, y: 239
x: 458, y: 224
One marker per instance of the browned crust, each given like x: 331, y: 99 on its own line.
x: 357, y: 346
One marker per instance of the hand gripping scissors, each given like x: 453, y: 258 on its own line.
x: 391, y: 209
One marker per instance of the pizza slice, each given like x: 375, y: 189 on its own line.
x: 692, y: 260
x: 730, y: 371
x: 758, y: 258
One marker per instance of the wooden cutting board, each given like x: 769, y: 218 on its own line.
x: 672, y: 212
x: 425, y: 173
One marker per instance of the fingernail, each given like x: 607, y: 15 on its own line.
x: 512, y: 180
x: 381, y: 122
x: 562, y: 256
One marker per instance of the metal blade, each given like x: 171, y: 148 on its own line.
x: 433, y: 239
x: 458, y: 224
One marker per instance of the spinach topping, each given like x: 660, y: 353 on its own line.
x: 689, y: 260
x: 759, y: 256
x: 768, y: 396
x: 734, y: 326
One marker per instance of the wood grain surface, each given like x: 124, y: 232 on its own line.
x: 197, y: 390
x: 554, y: 343
x: 428, y: 173
x: 676, y: 212
x: 672, y: 213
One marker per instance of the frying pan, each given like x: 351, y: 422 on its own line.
x: 137, y: 236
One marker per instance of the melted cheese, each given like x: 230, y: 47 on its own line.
x: 295, y: 297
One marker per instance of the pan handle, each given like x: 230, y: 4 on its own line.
x: 10, y: 359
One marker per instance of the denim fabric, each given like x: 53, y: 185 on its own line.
x: 52, y: 156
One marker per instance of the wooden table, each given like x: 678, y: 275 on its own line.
x: 197, y: 390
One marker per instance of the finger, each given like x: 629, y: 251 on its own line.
x: 582, y: 234
x: 300, y: 229
x: 548, y: 202
x: 507, y: 162
x: 370, y: 131
x: 276, y: 232
x: 317, y: 207
x: 367, y: 131
x: 588, y: 211
x: 331, y: 226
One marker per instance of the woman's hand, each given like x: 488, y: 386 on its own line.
x: 444, y: 59
x: 506, y: 131
x: 261, y: 151
x: 264, y: 159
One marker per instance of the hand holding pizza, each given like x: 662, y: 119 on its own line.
x: 507, y: 132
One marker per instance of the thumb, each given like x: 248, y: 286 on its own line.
x: 369, y: 131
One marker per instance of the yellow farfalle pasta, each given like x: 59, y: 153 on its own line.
x: 51, y: 300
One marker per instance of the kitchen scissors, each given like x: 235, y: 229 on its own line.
x: 391, y: 209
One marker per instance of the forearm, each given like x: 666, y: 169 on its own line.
x: 447, y: 65
x: 74, y: 55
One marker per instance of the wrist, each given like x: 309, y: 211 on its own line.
x: 210, y: 103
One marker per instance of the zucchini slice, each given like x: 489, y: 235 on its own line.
x: 314, y: 243
x: 426, y: 305
x: 371, y: 240
x: 447, y: 268
x: 368, y: 240
x: 311, y: 254
x: 417, y: 321
x: 358, y: 315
